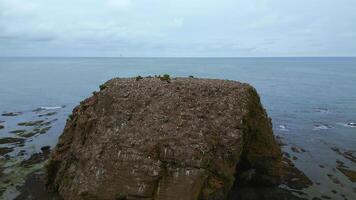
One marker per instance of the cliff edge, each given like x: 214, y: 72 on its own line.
x: 162, y: 138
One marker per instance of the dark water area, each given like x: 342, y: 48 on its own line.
x: 312, y: 103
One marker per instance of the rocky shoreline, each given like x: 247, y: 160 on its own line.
x: 19, y: 154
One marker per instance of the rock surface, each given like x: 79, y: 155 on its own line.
x: 148, y: 138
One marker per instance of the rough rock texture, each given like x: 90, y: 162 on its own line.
x: 148, y: 138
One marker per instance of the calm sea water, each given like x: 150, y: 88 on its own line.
x: 310, y: 100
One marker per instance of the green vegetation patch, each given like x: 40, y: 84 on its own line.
x: 138, y: 78
x: 165, y: 77
x: 103, y: 87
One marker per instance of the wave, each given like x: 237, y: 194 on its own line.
x: 321, y: 110
x: 283, y: 128
x: 322, y: 127
x: 51, y: 108
x: 43, y: 108
x: 349, y: 124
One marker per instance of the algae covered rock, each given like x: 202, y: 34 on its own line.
x: 186, y: 138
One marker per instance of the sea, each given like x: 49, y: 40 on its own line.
x: 311, y: 101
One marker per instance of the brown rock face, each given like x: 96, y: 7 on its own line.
x: 155, y: 139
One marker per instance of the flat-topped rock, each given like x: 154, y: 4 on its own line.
x: 152, y: 138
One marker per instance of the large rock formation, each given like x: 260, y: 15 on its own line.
x: 156, y: 138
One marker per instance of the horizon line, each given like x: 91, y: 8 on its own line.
x: 177, y: 56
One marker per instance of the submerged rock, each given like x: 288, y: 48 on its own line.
x: 18, y: 131
x: 36, y: 158
x: 11, y: 114
x: 349, y: 173
x: 179, y: 139
x: 10, y: 140
x: 47, y: 114
x: 1, y: 126
x: 347, y: 154
x: 30, y: 133
x: 27, y: 134
x: 5, y: 150
x: 31, y: 123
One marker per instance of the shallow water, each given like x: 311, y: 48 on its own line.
x: 310, y: 100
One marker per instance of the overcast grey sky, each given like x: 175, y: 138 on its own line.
x: 178, y: 28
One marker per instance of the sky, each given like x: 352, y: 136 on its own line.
x: 177, y: 28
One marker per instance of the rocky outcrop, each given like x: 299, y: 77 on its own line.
x: 161, y: 138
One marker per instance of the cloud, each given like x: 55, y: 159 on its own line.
x: 178, y: 22
x: 19, y: 7
x: 121, y: 5
x: 177, y: 28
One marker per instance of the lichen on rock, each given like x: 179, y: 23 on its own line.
x: 179, y: 139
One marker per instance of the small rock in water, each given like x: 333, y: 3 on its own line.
x: 38, y: 110
x: 286, y: 154
x: 1, y: 126
x: 31, y: 123
x: 18, y: 131
x: 5, y: 150
x: 21, y: 153
x: 45, y: 130
x: 47, y: 114
x: 297, y: 149
x: 325, y: 197
x: 11, y: 114
x: 353, y: 124
x: 341, y: 164
x: 347, y: 154
x: 9, y: 140
x: 45, y: 148
x: 48, y: 123
x: 27, y: 134
x: 349, y: 173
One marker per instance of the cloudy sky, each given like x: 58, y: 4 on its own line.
x: 178, y: 28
